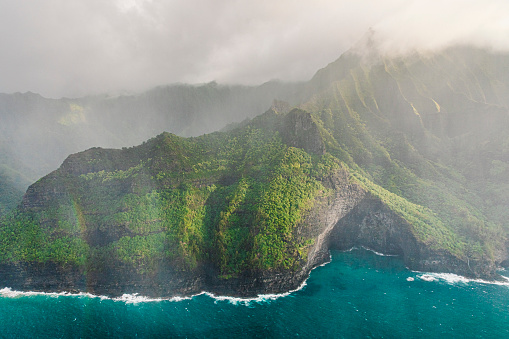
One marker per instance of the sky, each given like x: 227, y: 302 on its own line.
x: 73, y: 48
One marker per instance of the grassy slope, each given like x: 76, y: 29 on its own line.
x: 235, y: 198
x: 426, y: 143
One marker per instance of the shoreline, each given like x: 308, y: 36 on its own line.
x: 450, y: 278
x: 136, y: 298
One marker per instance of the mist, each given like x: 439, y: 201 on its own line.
x: 115, y: 59
x: 63, y: 48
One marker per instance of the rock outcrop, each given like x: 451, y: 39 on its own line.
x: 348, y: 217
x: 299, y: 130
x: 245, y: 212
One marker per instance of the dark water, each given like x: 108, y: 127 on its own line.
x: 359, y: 294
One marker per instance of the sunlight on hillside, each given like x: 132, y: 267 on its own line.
x: 74, y: 117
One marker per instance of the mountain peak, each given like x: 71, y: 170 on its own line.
x: 300, y: 130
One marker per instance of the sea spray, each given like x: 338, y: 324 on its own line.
x: 133, y: 298
x: 451, y: 278
x: 359, y: 294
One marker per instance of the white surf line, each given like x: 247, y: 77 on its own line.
x: 10, y: 293
x: 258, y: 299
x: 371, y: 250
x: 452, y: 278
x: 378, y: 253
x: 127, y: 298
x: 134, y: 298
x: 265, y: 297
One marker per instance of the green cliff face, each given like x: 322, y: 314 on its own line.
x: 429, y: 129
x: 231, y: 199
x: 403, y: 155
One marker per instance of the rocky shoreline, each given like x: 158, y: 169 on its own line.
x: 350, y: 217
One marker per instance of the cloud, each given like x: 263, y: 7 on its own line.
x: 80, y: 47
x: 435, y: 24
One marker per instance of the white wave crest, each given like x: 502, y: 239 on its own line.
x: 427, y: 277
x: 134, y: 298
x: 378, y: 253
x: 371, y: 250
x: 261, y: 298
x: 451, y: 278
x: 7, y: 292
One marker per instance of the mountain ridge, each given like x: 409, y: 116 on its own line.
x: 405, y: 156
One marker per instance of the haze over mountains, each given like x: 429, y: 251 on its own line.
x: 75, y: 48
x: 38, y: 133
x: 415, y: 146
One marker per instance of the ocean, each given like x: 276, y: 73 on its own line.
x: 359, y: 294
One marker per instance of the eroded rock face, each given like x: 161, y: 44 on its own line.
x: 48, y: 277
x: 348, y: 217
x: 323, y: 219
x: 302, y: 132
x: 372, y: 225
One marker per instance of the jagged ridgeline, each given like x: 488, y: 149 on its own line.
x: 229, y: 200
x: 405, y: 156
x: 37, y: 134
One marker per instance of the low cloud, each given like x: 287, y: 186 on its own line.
x: 82, y: 47
x: 435, y: 24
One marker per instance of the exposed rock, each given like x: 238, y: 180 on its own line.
x: 349, y: 217
x: 301, y: 131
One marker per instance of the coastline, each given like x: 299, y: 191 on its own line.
x: 134, y: 298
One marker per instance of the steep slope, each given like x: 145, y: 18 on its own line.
x: 38, y: 133
x: 244, y: 212
x: 402, y: 155
x: 178, y: 210
x: 14, y: 177
x: 41, y: 132
x: 428, y: 128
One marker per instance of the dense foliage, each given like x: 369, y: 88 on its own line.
x: 231, y: 199
x: 425, y: 136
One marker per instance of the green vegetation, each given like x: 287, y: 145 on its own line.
x: 289, y: 194
x: 423, y: 149
x: 231, y: 199
x: 423, y: 223
x: 436, y: 155
x: 14, y: 178
x: 22, y: 239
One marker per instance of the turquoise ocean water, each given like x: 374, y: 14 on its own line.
x: 358, y: 294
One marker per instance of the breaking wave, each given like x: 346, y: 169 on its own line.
x: 371, y: 250
x: 451, y: 278
x: 134, y: 298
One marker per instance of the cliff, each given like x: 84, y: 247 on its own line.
x: 348, y: 217
x: 383, y: 155
x: 240, y: 213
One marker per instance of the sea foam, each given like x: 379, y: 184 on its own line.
x: 452, y: 279
x: 371, y: 250
x: 135, y: 298
x: 261, y: 298
x: 7, y: 292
